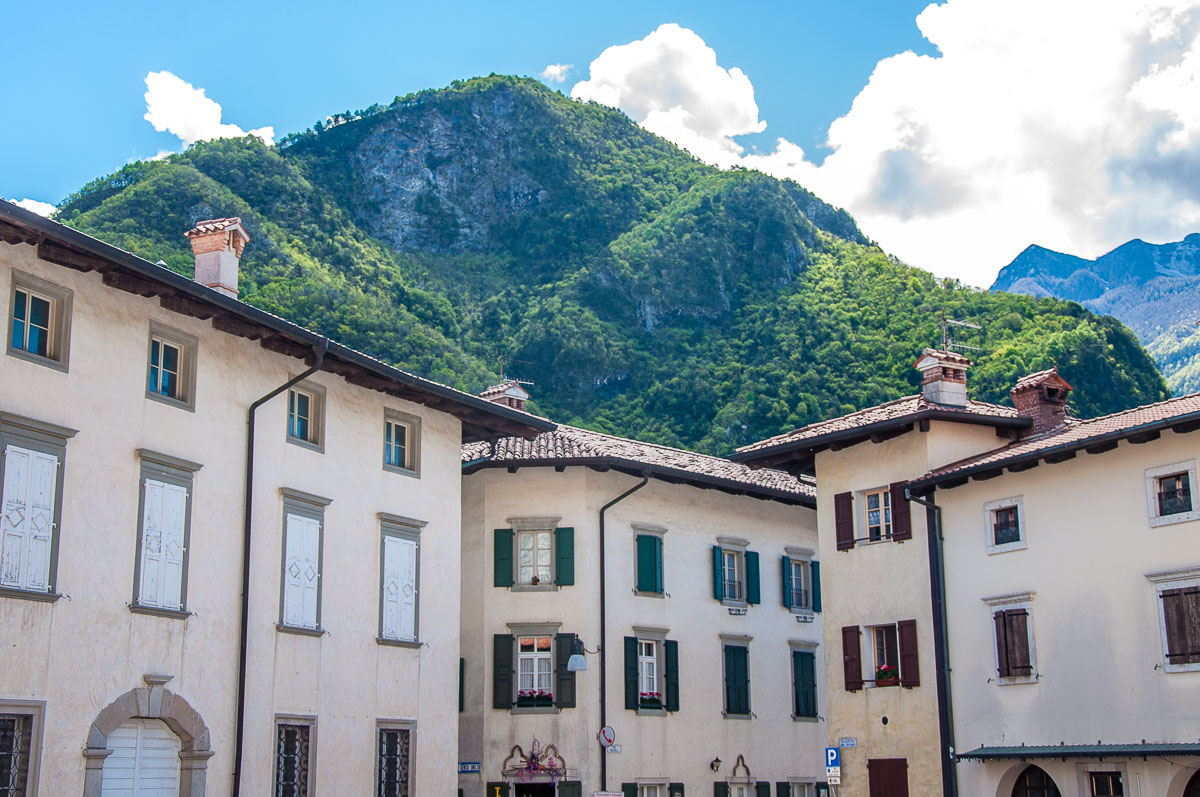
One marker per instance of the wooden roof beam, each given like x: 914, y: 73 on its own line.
x: 132, y: 284
x: 236, y: 326
x: 71, y: 258
x: 185, y: 306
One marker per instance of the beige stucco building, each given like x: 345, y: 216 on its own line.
x: 710, y: 656
x: 124, y: 399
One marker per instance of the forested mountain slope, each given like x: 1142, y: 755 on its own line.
x: 643, y: 292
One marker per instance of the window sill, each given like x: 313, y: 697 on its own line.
x: 311, y: 446
x: 154, y: 611
x: 533, y: 588
x: 399, y: 643
x: 171, y: 402
x: 729, y: 716
x: 803, y: 612
x: 1190, y: 667
x: 1007, y: 547
x: 732, y: 604
x: 399, y: 471
x: 652, y: 712
x: 644, y: 594
x: 1170, y: 520
x: 37, y: 359
x: 297, y: 630
x: 535, y: 710
x: 29, y: 595
x: 1014, y: 680
x: 798, y: 718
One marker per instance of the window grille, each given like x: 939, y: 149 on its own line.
x: 291, y: 761
x: 15, y: 739
x: 394, y: 748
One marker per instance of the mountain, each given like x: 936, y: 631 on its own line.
x: 1152, y: 288
x: 496, y: 224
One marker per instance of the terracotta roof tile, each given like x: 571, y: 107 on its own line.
x: 213, y: 225
x: 1036, y: 379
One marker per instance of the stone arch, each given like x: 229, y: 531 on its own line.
x: 152, y: 701
x: 1182, y: 780
x: 1004, y: 788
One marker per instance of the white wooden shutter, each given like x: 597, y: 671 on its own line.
x: 399, y: 588
x: 144, y: 761
x: 27, y: 523
x: 302, y: 571
x: 164, y: 516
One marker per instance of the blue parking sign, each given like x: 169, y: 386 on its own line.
x: 833, y: 757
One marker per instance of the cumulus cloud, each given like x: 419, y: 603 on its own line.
x: 556, y: 73
x: 34, y: 206
x: 1072, y: 124
x: 176, y: 106
x: 671, y: 84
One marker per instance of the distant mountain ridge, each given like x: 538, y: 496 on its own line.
x: 1153, y: 288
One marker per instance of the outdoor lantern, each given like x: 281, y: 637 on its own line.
x: 577, y: 663
x: 715, y: 764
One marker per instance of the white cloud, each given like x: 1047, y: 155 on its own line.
x: 34, y: 206
x: 180, y: 108
x: 1071, y: 124
x: 556, y: 73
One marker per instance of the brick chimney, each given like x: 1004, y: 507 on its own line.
x: 218, y: 244
x: 509, y: 393
x: 943, y: 377
x: 1042, y: 397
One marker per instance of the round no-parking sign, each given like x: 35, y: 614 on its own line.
x: 607, y: 736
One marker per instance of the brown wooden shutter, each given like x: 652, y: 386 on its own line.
x: 910, y: 671
x: 851, y: 655
x: 843, y: 520
x: 1181, y: 615
x: 1191, y: 605
x: 901, y: 516
x: 1002, y: 667
x: 1016, y: 622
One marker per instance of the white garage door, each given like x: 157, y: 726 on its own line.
x: 144, y: 761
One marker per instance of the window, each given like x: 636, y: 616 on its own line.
x: 1106, y: 784
x: 1179, y: 617
x: 731, y: 569
x: 1012, y: 624
x: 651, y: 790
x: 399, y: 577
x: 882, y: 513
x: 293, y: 758
x: 535, y: 670
x: 737, y: 680
x: 801, y: 589
x: 534, y: 555
x: 890, y: 652
x: 735, y: 573
x: 649, y: 565
x: 1004, y: 525
x: 529, y: 668
x: 41, y: 318
x: 401, y: 443
x: 30, y: 504
x: 300, y: 585
x: 171, y: 367
x: 878, y: 515
x: 886, y: 655
x: 306, y: 416
x: 651, y: 671
x: 804, y: 684
x: 20, y: 742
x: 164, y: 527
x: 394, y: 746
x: 648, y: 691
x: 1169, y: 493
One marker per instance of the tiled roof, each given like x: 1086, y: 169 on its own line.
x: 568, y: 444
x: 893, y: 411
x: 1037, y: 378
x: 1084, y: 750
x: 213, y: 225
x: 1076, y: 434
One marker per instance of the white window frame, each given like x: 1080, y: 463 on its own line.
x: 316, y: 416
x: 58, y: 343
x: 411, y: 466
x: 801, y: 558
x: 1169, y: 580
x: 312, y: 507
x: 408, y: 530
x: 188, y: 345
x: 657, y: 636
x: 534, y: 535
x: 648, y: 674
x: 168, y: 471
x: 652, y: 787
x: 1015, y: 600
x: 733, y: 549
x: 1152, y: 477
x: 36, y: 711
x: 801, y: 787
x: 535, y: 657
x: 989, y: 520
x: 887, y: 527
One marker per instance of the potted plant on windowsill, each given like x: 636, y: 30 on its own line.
x: 650, y: 700
x: 886, y: 675
x: 534, y: 698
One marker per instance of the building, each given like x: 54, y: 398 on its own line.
x: 132, y: 528
x: 690, y: 587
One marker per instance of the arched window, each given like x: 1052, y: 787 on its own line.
x: 1193, y: 787
x: 1034, y: 782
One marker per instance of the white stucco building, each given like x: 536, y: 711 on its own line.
x: 692, y: 586
x: 129, y: 521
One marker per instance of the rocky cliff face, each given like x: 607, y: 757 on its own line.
x: 1153, y: 288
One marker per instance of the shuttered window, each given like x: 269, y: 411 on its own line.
x: 650, y: 563
x: 300, y: 587
x: 801, y: 588
x: 163, y: 545
x: 1181, y: 618
x: 736, y: 576
x: 804, y: 683
x: 144, y: 761
x: 737, y: 680
x: 533, y: 557
x: 28, y: 527
x: 843, y: 520
x: 851, y: 658
x: 398, y: 585
x: 1012, y: 643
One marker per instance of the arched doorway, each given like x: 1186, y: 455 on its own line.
x: 1034, y: 782
x: 144, y: 761
x: 1192, y: 789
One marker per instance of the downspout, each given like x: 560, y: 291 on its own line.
x: 240, y: 717
x: 603, y: 628
x: 941, y: 650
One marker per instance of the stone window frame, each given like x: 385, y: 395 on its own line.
x: 1084, y: 770
x: 541, y: 523
x: 738, y: 546
x: 1152, y: 477
x: 804, y: 646
x: 189, y: 347
x: 409, y: 725
x: 518, y: 630
x: 409, y: 529
x: 172, y: 470
x: 59, y: 345
x: 1168, y: 580
x: 36, y: 711
x: 296, y: 502
x: 657, y: 635
x: 309, y: 721
x: 318, y: 402
x: 413, y: 443
x: 1015, y: 600
x: 49, y: 438
x: 737, y: 640
x: 989, y: 520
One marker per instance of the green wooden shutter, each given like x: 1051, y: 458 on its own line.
x: 763, y: 788
x: 718, y: 582
x: 564, y: 687
x: 502, y: 558
x: 631, y: 673
x: 720, y: 788
x: 737, y: 680
x: 786, y: 567
x: 783, y: 789
x: 502, y: 670
x: 671, y: 655
x: 753, y: 589
x: 804, y: 681
x: 496, y: 789
x: 629, y: 789
x: 570, y: 788
x: 564, y: 557
x: 646, y: 580
x: 461, y: 668
x: 658, y: 565
x: 816, y: 586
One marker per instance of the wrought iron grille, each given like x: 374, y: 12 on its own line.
x: 393, y: 762
x: 291, y: 761
x: 1174, y: 496
x: 15, y: 736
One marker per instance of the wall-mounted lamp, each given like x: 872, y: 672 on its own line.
x: 715, y: 764
x: 577, y: 663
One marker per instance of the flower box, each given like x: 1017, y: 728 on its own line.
x: 650, y: 700
x: 535, y: 698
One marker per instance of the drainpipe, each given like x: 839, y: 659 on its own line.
x: 603, y: 627
x: 240, y: 717
x: 941, y: 650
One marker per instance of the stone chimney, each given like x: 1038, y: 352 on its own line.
x: 943, y: 377
x: 509, y: 393
x: 218, y: 244
x: 1042, y: 397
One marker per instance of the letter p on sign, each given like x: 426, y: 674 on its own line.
x: 833, y: 757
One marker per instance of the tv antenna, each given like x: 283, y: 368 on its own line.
x: 947, y: 343
x: 504, y: 378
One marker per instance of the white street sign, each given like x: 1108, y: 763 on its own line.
x: 607, y: 736
x: 836, y: 781
x: 833, y: 772
x: 613, y: 748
